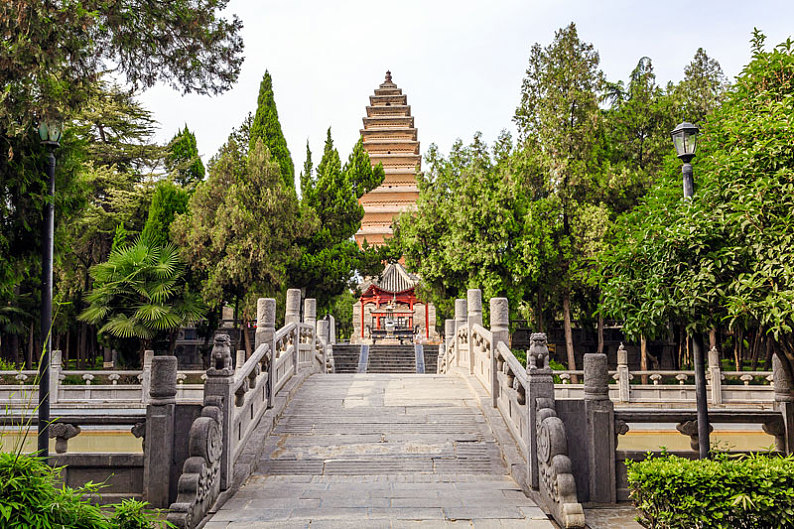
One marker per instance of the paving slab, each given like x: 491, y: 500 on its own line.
x: 381, y: 451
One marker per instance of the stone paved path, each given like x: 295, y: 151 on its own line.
x: 381, y: 451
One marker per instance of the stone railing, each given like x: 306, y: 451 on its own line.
x: 116, y: 388
x: 675, y: 386
x: 524, y: 398
x: 121, y: 473
x: 235, y: 403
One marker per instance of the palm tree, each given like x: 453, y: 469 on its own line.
x: 140, y: 292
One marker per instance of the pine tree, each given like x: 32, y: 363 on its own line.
x: 267, y: 128
x: 183, y: 161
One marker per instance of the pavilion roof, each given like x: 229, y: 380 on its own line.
x: 394, y: 279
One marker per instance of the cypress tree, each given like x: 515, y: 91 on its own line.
x: 267, y: 128
x: 167, y: 201
x: 183, y: 161
x: 307, y: 178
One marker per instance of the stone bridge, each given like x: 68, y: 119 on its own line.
x: 280, y: 439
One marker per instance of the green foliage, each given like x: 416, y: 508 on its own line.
x: 53, y: 55
x: 33, y: 497
x: 239, y: 231
x: 721, y: 493
x: 140, y: 292
x: 168, y: 201
x: 307, y: 175
x: 182, y: 161
x: 267, y: 129
x: 329, y: 257
x: 119, y: 238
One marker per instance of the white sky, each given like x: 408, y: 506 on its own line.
x: 461, y: 62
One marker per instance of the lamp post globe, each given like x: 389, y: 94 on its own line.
x: 685, y: 140
x: 50, y: 134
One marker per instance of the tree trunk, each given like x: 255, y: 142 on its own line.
x: 14, y: 343
x: 29, y: 358
x: 246, y: 340
x: 756, y: 349
x: 712, y: 338
x: 600, y: 331
x: 539, y: 313
x: 644, y: 358
x: 81, y: 345
x: 737, y: 352
x: 67, y: 348
x: 566, y: 314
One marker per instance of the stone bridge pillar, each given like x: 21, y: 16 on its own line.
x: 500, y: 333
x: 460, y: 321
x: 474, y: 304
x: 293, y: 312
x: 540, y: 385
x: 218, y: 392
x: 310, y: 313
x: 600, y: 429
x: 784, y: 402
x: 160, y: 413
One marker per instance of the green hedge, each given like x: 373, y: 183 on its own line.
x: 32, y: 497
x: 724, y: 492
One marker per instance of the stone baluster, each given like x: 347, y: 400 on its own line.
x: 600, y: 429
x: 239, y: 360
x: 784, y: 402
x: 160, y: 411
x: 62, y: 432
x: 331, y: 329
x: 146, y: 375
x: 540, y: 384
x: 715, y: 374
x: 449, y: 339
x: 460, y: 321
x: 293, y: 315
x: 219, y: 391
x: 56, y: 361
x: 310, y: 314
x: 474, y: 305
x: 265, y: 329
x: 500, y: 333
x: 624, y: 376
x: 293, y: 308
x: 323, y: 330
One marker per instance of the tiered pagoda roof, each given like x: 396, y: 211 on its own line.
x: 390, y: 138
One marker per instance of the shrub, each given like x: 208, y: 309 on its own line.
x: 722, y: 493
x: 31, y: 496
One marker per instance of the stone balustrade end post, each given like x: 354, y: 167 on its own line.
x: 159, y: 447
x: 600, y: 429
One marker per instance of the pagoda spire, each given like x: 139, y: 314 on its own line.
x: 389, y: 137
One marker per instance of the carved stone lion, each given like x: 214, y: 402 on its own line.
x: 538, y: 353
x: 221, y: 358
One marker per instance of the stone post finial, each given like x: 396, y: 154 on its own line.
x: 265, y: 321
x: 163, y: 385
x: 596, y: 377
x: 460, y: 311
x: 500, y: 333
x: 538, y: 352
x: 293, y: 310
x: 221, y: 357
x: 322, y: 329
x: 474, y: 304
x: 623, y: 355
x: 310, y: 311
x: 781, y: 381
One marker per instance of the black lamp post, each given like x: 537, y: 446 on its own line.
x: 685, y: 137
x: 50, y: 134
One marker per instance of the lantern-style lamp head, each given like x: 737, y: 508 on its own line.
x: 685, y: 139
x: 50, y: 133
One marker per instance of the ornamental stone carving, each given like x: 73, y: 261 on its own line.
x: 221, y: 357
x: 556, y: 482
x: 200, y: 482
x: 538, y: 353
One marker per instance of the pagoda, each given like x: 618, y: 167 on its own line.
x: 390, y: 139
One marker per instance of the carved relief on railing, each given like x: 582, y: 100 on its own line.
x: 199, y: 484
x: 463, y: 335
x: 557, y: 483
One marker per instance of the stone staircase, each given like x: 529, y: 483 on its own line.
x: 346, y: 358
x: 391, y: 359
x: 431, y: 359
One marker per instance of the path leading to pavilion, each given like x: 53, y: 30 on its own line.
x: 381, y: 451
